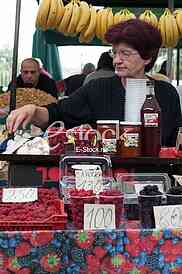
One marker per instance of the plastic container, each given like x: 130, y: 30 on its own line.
x: 67, y: 164
x: 146, y: 213
x: 78, y: 199
x: 174, y: 195
x: 133, y: 183
x: 129, y: 144
x: 115, y: 198
x: 107, y: 135
x: 55, y: 222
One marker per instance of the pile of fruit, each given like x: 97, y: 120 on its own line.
x: 26, y: 96
x: 79, y: 18
x: 47, y: 205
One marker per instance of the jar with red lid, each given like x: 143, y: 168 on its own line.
x: 129, y: 143
x: 107, y: 135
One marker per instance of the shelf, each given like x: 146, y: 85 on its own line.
x: 54, y: 159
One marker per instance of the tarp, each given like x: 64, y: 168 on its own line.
x: 48, y: 53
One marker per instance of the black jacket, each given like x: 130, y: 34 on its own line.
x: 104, y: 99
x: 45, y: 83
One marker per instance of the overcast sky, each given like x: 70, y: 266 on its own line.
x: 27, y: 23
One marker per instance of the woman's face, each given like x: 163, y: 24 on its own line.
x: 128, y: 62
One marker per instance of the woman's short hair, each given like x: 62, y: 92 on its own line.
x: 138, y: 34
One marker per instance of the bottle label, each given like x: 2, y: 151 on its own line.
x: 109, y: 145
x: 131, y: 139
x: 151, y: 119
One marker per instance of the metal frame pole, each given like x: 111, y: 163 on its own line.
x: 177, y: 65
x: 15, y: 57
x: 170, y: 50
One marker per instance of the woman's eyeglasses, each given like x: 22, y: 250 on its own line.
x: 125, y: 54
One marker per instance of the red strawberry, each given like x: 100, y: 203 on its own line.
x: 13, y: 265
x: 85, y: 239
x: 100, y: 252
x: 39, y: 238
x: 25, y: 270
x: 22, y: 249
x: 50, y: 263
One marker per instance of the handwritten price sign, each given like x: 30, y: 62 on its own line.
x: 168, y: 216
x: 19, y: 195
x: 99, y: 216
x: 89, y: 179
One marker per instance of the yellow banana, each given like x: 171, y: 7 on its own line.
x: 149, y: 17
x: 74, y: 20
x: 63, y: 25
x: 162, y: 28
x: 84, y: 16
x: 98, y: 24
x: 51, y: 21
x: 88, y: 34
x: 104, y: 17
x: 176, y: 34
x: 178, y: 16
x: 42, y: 14
x: 172, y: 34
x: 117, y: 17
x: 60, y: 13
x: 126, y: 15
x: 110, y: 18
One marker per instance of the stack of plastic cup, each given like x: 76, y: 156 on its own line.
x: 134, y: 99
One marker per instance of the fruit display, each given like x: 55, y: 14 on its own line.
x: 78, y: 199
x: 149, y: 17
x: 26, y: 96
x: 169, y: 29
x: 78, y: 18
x: 148, y: 197
x: 47, y: 211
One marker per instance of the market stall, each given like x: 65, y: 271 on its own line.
x: 57, y: 230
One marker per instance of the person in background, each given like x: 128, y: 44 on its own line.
x: 135, y: 47
x: 104, y: 69
x: 31, y: 77
x: 74, y: 82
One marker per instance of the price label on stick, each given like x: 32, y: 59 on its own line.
x: 89, y: 179
x: 99, y: 216
x: 168, y: 216
x: 19, y: 195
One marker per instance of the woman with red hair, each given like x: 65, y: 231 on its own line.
x: 135, y: 46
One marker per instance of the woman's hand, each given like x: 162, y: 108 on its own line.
x: 20, y: 117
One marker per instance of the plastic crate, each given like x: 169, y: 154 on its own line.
x: 55, y: 222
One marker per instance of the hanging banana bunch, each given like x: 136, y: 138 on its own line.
x: 42, y: 14
x: 49, y: 14
x: 84, y: 16
x: 126, y: 15
x: 169, y: 29
x: 88, y: 33
x: 149, y: 17
x: 178, y: 16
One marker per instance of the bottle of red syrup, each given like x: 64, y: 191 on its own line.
x: 151, y: 122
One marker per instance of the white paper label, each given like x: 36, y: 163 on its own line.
x: 168, y: 216
x: 99, y: 216
x: 19, y: 195
x: 178, y: 178
x: 89, y: 179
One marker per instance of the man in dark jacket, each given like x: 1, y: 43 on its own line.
x: 74, y: 82
x: 31, y: 77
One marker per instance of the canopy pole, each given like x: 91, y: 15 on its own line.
x: 15, y: 57
x: 177, y: 64
x: 170, y: 50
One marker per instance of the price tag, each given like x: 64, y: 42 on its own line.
x: 168, y: 216
x: 178, y: 178
x: 89, y: 179
x: 19, y: 195
x: 99, y: 216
